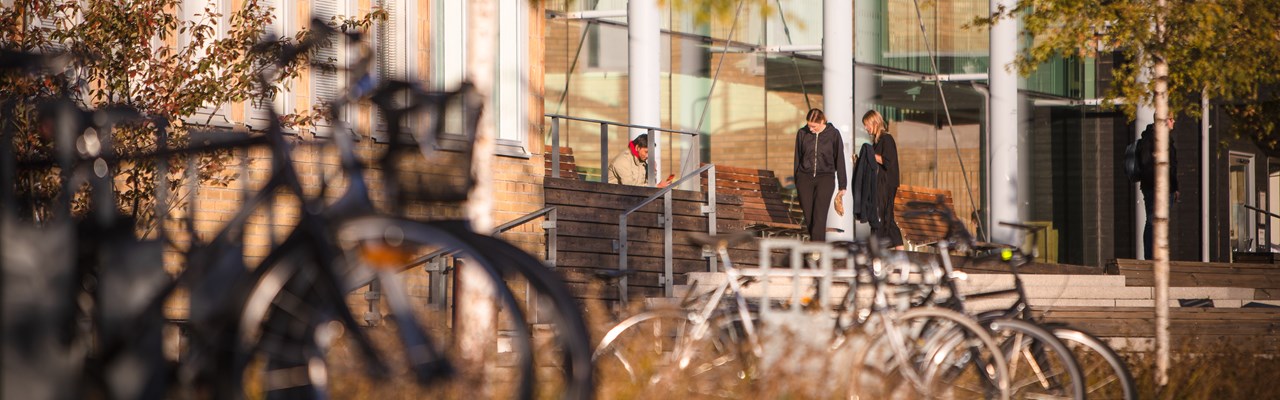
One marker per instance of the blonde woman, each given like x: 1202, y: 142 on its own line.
x: 886, y: 150
x: 818, y: 168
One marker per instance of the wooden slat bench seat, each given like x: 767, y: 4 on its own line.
x: 568, y: 167
x: 920, y: 231
x: 1255, y: 328
x: 766, y: 207
x: 1264, y: 278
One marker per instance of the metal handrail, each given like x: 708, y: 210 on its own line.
x: 1266, y: 239
x: 667, y: 274
x: 435, y: 271
x: 654, y: 141
x: 549, y: 225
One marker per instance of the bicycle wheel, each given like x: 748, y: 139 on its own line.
x: 300, y: 339
x: 561, y: 365
x: 1106, y: 374
x: 643, y: 353
x: 568, y: 324
x: 928, y: 353
x: 1040, y: 365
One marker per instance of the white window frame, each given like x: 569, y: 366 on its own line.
x: 401, y: 14
x: 510, y: 103
x: 511, y: 83
x: 342, y: 58
x: 283, y: 26
x: 221, y: 115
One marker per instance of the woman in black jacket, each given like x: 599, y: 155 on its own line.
x: 886, y: 150
x: 818, y: 169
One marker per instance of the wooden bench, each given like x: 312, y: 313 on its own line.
x: 1264, y: 278
x: 767, y: 208
x: 568, y: 168
x: 1190, y: 328
x: 922, y: 230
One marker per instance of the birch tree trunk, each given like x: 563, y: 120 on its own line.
x: 1160, y: 239
x: 475, y: 308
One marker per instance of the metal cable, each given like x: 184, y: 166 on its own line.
x: 933, y: 62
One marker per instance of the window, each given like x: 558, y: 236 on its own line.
x: 210, y: 13
x: 607, y: 47
x: 510, y: 85
x: 510, y: 79
x: 326, y: 84
x: 258, y: 110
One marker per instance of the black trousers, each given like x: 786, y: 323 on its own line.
x: 889, y: 230
x: 1148, y: 201
x: 815, y: 199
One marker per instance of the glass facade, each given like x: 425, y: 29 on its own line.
x: 749, y: 101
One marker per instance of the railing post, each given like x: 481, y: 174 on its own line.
x: 622, y: 257
x: 668, y: 289
x: 438, y: 288
x: 555, y: 147
x: 604, y: 152
x: 710, y: 212
x: 654, y: 158
x: 8, y: 165
x: 162, y: 172
x: 552, y: 237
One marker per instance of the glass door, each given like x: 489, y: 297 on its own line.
x: 1242, y: 227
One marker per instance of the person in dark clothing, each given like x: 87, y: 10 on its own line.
x: 1147, y: 180
x: 886, y: 151
x: 865, y: 178
x: 819, y: 158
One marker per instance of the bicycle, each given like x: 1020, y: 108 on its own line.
x: 910, y: 352
x: 283, y: 314
x: 1102, y: 374
x: 704, y: 345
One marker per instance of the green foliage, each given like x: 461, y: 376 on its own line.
x: 722, y: 11
x: 1228, y: 47
x: 142, y: 54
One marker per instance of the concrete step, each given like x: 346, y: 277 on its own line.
x: 1222, y: 298
x: 974, y: 281
x: 1006, y: 280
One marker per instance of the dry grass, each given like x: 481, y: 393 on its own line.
x: 1221, y: 370
x: 1199, y: 371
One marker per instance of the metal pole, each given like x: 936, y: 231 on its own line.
x: 654, y: 160
x: 555, y: 147
x: 668, y: 289
x: 552, y: 237
x: 837, y: 90
x: 604, y: 152
x: 162, y: 174
x: 710, y: 211
x: 1005, y: 205
x: 622, y: 258
x: 438, y: 288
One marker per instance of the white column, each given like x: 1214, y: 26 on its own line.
x: 1145, y: 116
x: 1005, y: 203
x: 865, y: 83
x: 837, y: 92
x: 644, y: 37
x: 1204, y: 176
